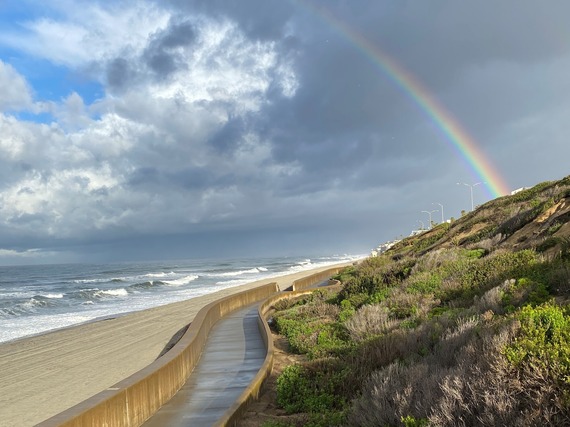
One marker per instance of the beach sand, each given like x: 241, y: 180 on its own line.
x: 43, y: 375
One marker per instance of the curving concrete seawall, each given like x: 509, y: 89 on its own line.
x: 132, y: 401
x: 300, y: 287
x: 307, y: 282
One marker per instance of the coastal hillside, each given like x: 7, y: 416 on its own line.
x: 465, y: 324
x: 536, y: 218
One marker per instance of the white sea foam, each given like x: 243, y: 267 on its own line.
x: 181, y: 281
x: 254, y: 270
x: 52, y: 296
x: 85, y: 281
x: 121, y: 292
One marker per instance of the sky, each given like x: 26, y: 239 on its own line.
x: 139, y: 130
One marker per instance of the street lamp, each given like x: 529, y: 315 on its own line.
x: 442, y: 218
x: 429, y: 213
x: 422, y: 223
x: 471, y: 188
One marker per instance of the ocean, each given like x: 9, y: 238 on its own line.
x: 40, y: 298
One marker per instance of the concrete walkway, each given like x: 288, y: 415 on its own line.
x: 232, y: 356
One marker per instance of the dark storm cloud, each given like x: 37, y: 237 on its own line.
x: 161, y: 55
x: 164, y: 55
x: 228, y: 136
x: 258, y: 18
x: 191, y: 178
x: 119, y: 73
x: 344, y: 96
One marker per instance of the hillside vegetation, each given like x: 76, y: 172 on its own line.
x: 465, y: 324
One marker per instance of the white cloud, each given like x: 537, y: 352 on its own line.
x: 224, y: 66
x: 87, y: 32
x: 74, y: 177
x: 15, y: 93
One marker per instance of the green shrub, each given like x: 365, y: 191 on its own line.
x: 544, y: 341
x: 347, y: 310
x: 547, y: 244
x: 476, y: 253
x: 332, y: 340
x: 296, y: 394
x: 437, y: 233
x: 310, y: 330
x: 524, y: 291
x: 345, y: 274
x: 402, y: 310
x: 326, y: 419
x: 379, y: 296
x: 358, y: 300
x: 311, y: 391
x: 410, y: 421
x: 554, y: 228
x: 466, y: 278
x: 485, y: 233
x: 410, y: 323
x: 424, y: 283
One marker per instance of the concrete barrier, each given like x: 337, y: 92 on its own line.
x: 133, y: 400
x: 235, y: 412
x: 307, y: 282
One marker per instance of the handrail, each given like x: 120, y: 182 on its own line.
x: 130, y: 402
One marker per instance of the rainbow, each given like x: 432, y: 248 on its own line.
x: 452, y: 130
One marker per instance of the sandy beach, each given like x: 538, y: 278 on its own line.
x: 43, y: 375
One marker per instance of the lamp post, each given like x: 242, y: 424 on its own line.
x: 441, y: 206
x: 471, y: 188
x: 429, y: 213
x: 422, y: 224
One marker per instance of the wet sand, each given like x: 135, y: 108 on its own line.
x: 43, y: 375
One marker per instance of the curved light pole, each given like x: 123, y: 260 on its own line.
x: 422, y: 223
x: 429, y: 213
x: 441, y: 206
x: 471, y: 188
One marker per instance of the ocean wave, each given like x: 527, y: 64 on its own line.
x: 181, y: 281
x: 120, y: 292
x: 28, y: 306
x: 87, y: 281
x: 52, y: 296
x: 146, y: 285
x: 254, y: 270
x: 95, y: 294
x: 302, y: 265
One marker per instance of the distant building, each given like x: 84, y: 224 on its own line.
x: 518, y: 190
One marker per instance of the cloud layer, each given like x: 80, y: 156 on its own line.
x: 265, y: 119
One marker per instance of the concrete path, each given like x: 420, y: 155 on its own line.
x: 232, y: 356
